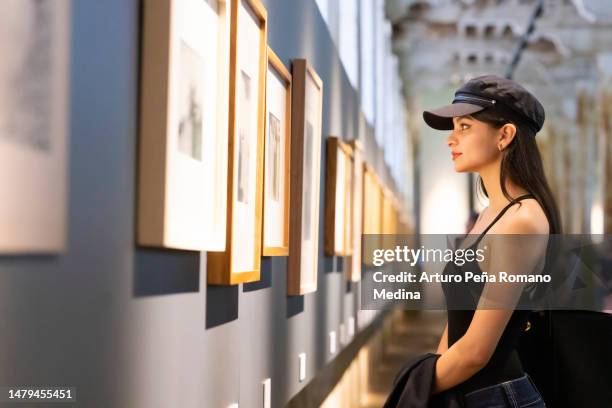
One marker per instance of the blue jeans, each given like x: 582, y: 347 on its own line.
x: 518, y: 393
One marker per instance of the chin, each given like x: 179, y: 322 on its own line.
x: 460, y: 168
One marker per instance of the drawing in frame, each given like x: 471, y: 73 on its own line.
x: 34, y: 115
x: 338, y: 205
x: 354, y: 266
x: 306, y: 119
x: 241, y: 260
x: 277, y: 158
x: 183, y: 132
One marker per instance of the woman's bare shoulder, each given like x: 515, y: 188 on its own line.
x: 527, y: 218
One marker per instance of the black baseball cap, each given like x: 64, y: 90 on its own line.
x: 503, y: 95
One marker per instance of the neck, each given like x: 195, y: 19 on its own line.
x: 490, y: 177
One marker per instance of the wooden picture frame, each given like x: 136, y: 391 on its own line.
x: 182, y: 177
x: 372, y: 202
x: 306, y: 119
x: 348, y: 193
x: 241, y: 260
x: 354, y: 266
x: 388, y: 219
x: 387, y: 211
x: 393, y: 227
x: 338, y: 201
x: 34, y: 127
x: 277, y: 158
x: 372, y: 212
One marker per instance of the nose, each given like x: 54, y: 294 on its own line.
x: 451, y: 140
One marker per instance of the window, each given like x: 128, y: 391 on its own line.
x: 489, y: 31
x: 508, y: 33
x: 470, y: 31
x: 347, y: 41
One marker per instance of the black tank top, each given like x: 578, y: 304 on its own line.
x: 504, y: 364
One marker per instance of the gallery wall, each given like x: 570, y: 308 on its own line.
x: 135, y: 327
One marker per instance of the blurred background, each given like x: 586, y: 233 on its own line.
x: 135, y: 327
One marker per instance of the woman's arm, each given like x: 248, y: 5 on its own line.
x: 443, y: 346
x: 472, y: 352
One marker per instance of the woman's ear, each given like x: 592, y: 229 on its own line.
x: 506, y: 133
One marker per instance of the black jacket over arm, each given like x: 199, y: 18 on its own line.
x: 413, y: 385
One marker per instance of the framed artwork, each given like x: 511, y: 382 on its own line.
x: 348, y: 199
x: 393, y: 228
x: 338, y: 206
x: 372, y: 211
x: 386, y: 210
x: 240, y: 262
x: 372, y: 202
x: 306, y: 119
x: 354, y: 266
x: 389, y: 217
x: 183, y: 134
x: 34, y: 92
x: 277, y: 158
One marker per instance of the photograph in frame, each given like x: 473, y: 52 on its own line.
x: 183, y: 138
x: 34, y: 116
x: 306, y: 146
x: 240, y: 261
x: 275, y: 241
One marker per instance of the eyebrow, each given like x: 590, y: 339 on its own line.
x: 463, y: 117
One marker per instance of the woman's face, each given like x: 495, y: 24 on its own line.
x: 473, y: 144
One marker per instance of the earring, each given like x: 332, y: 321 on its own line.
x: 500, y: 147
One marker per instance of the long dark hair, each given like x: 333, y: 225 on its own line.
x: 522, y: 163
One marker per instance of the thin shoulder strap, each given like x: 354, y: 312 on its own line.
x: 510, y: 204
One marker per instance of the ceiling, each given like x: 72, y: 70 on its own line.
x: 442, y: 43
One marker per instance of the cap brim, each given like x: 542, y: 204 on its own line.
x: 442, y: 118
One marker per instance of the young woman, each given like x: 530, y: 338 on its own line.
x: 493, y: 123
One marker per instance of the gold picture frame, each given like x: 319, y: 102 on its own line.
x: 241, y: 260
x: 277, y: 154
x: 338, y: 198
x: 389, y: 212
x: 372, y: 212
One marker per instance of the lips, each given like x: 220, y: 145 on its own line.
x: 455, y: 155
